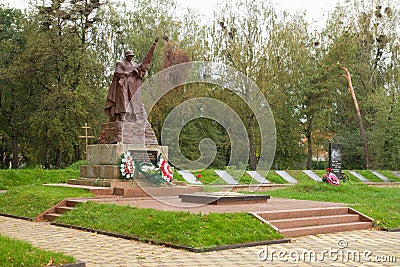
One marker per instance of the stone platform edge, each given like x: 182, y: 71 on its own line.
x: 223, y: 200
x: 75, y: 264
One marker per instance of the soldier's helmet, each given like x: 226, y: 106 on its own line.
x: 128, y: 53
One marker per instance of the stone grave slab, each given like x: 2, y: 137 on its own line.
x: 189, y: 177
x: 312, y: 175
x: 223, y: 198
x: 286, y: 176
x: 381, y: 176
x: 397, y: 174
x: 359, y: 176
x: 226, y: 177
x: 256, y: 176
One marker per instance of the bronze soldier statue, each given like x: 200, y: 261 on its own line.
x: 127, y: 116
x: 124, y: 100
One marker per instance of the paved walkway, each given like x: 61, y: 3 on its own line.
x: 359, y: 248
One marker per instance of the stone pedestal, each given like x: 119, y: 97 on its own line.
x: 103, y: 159
x: 139, y: 132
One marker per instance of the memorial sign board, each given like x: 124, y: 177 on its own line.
x: 335, y: 158
x: 144, y: 155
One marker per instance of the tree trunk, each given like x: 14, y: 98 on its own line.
x: 59, y: 157
x: 15, y: 152
x: 47, y: 164
x: 308, y: 135
x: 77, y: 153
x: 309, y: 150
x: 360, y: 122
x: 252, y: 148
x: 252, y: 155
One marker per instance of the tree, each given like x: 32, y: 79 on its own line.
x: 66, y: 79
x: 14, y: 96
x: 360, y: 122
x: 363, y: 38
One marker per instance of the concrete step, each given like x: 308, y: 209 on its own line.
x: 51, y: 216
x: 313, y: 221
x: 301, y: 222
x: 324, y: 229
x: 73, y: 202
x: 90, y: 182
x: 101, y: 191
x: 62, y: 210
x: 301, y: 213
x: 62, y: 207
x: 93, y: 182
x: 144, y: 182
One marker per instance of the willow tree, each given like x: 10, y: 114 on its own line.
x: 364, y: 38
x: 236, y: 39
x: 296, y: 58
x: 275, y: 51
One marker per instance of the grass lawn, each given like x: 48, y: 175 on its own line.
x: 390, y: 175
x: 181, y: 228
x: 382, y: 204
x: 241, y: 176
x: 37, y: 176
x: 27, y: 197
x: 300, y: 176
x: 209, y: 176
x: 31, y: 200
x: 369, y: 176
x: 19, y: 253
x: 178, y: 177
x: 273, y: 177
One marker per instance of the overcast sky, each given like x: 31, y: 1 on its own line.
x: 314, y: 8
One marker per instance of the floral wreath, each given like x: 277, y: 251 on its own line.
x: 166, y: 172
x: 127, y: 166
x: 161, y: 172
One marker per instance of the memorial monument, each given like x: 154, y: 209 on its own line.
x: 127, y: 116
x: 127, y: 144
x: 335, y: 158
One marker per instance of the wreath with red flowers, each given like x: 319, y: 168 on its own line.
x: 166, y: 171
x: 158, y: 173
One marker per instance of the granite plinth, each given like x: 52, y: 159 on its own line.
x: 216, y: 199
x: 100, y: 171
x: 109, y: 154
x: 103, y: 163
x: 139, y: 132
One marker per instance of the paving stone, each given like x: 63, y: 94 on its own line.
x: 120, y: 252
